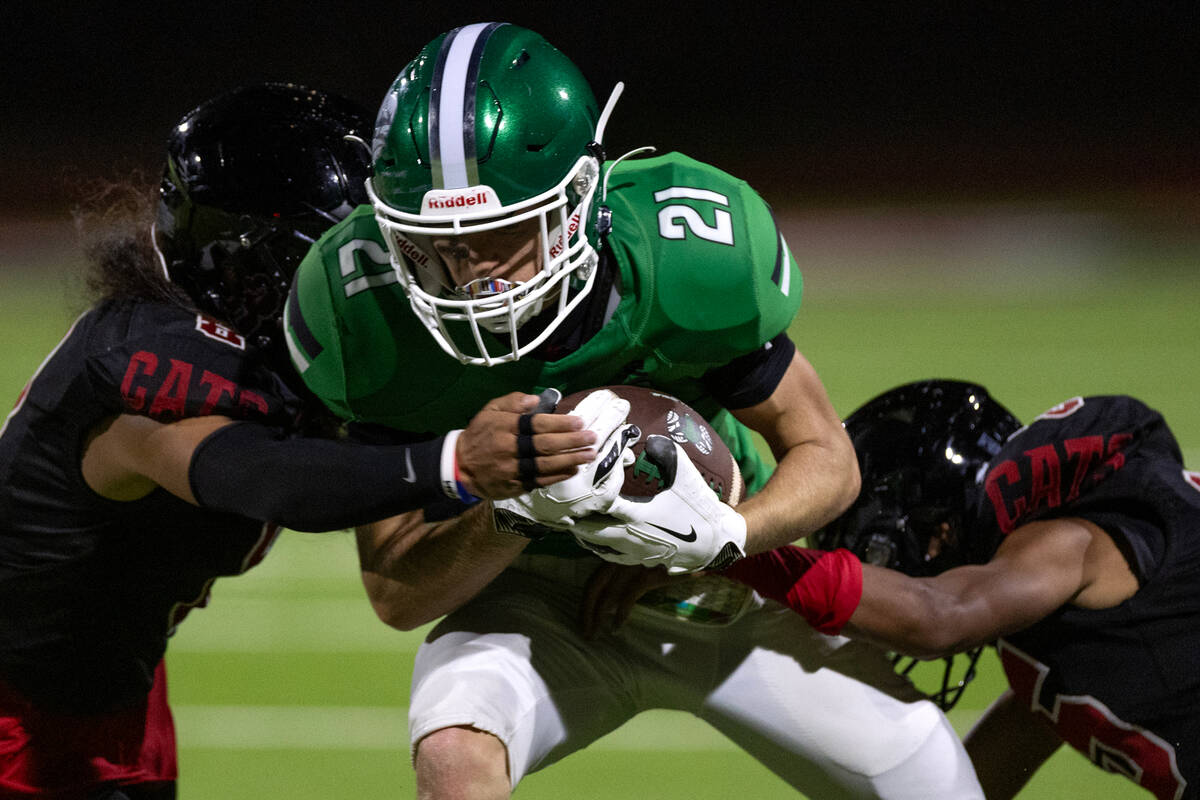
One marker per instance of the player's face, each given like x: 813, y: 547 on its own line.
x: 944, y: 537
x: 511, y: 253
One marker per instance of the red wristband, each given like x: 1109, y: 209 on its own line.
x: 829, y: 592
x: 822, y: 586
x: 452, y: 484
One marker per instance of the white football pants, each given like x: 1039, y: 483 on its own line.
x: 828, y: 715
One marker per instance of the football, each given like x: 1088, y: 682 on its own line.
x: 656, y: 412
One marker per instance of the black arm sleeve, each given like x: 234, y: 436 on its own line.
x: 309, y: 484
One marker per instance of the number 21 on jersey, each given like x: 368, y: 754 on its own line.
x: 676, y: 220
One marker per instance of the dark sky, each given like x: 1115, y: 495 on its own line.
x: 815, y: 100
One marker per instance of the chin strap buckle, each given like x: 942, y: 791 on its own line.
x: 604, y: 222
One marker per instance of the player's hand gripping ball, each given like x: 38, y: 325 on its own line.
x: 654, y: 412
x: 674, y: 505
x: 592, y: 488
x: 660, y: 491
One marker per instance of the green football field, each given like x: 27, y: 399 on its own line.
x: 286, y: 686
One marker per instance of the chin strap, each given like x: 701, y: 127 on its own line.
x: 596, y: 149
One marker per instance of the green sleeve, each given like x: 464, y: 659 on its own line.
x: 714, y: 275
x: 312, y: 341
x: 706, y: 278
x: 336, y: 314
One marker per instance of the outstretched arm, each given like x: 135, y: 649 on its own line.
x: 316, y: 484
x: 1039, y: 567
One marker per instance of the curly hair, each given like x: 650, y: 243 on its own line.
x: 114, y: 223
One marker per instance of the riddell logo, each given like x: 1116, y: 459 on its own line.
x: 412, y: 252
x: 477, y: 197
x: 572, y: 227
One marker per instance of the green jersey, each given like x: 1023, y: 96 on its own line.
x: 703, y: 277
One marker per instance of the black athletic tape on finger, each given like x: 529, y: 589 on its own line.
x: 547, y: 402
x: 527, y: 470
x: 525, y: 448
x: 525, y: 425
x: 526, y: 452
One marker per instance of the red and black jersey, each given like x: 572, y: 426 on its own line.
x: 91, y: 588
x: 1122, y: 684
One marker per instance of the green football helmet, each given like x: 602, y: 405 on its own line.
x: 489, y: 126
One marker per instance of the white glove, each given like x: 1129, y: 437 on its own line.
x: 593, y: 487
x: 685, y: 527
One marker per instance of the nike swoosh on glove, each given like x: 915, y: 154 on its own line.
x: 685, y: 527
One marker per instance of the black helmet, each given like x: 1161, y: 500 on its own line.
x: 921, y: 451
x: 252, y: 178
x: 920, y: 448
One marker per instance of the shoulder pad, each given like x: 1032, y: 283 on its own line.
x: 1076, y: 453
x: 1137, y: 424
x: 346, y: 306
x: 705, y: 253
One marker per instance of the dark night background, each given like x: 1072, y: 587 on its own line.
x: 810, y: 102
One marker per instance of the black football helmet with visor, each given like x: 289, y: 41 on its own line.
x: 252, y: 179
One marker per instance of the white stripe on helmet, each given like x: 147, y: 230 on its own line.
x: 456, y: 97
